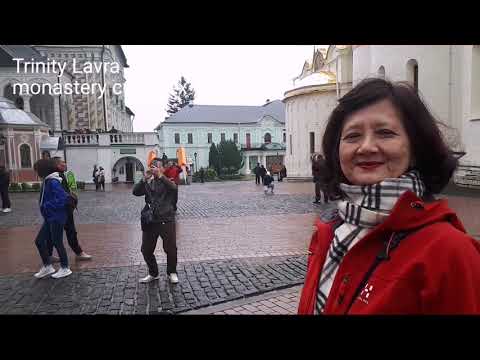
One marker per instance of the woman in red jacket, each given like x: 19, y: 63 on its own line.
x: 388, y: 247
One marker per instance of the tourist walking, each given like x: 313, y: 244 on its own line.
x: 69, y: 184
x: 95, y: 177
x: 256, y: 171
x: 101, y: 178
x: 158, y: 219
x: 53, y: 207
x: 4, y: 185
x: 318, y: 172
x: 202, y: 175
x: 262, y: 173
x: 268, y: 183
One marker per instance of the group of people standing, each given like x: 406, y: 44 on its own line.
x: 58, y: 201
x: 98, y: 176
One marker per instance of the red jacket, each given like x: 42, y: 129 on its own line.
x: 434, y: 270
x: 173, y: 173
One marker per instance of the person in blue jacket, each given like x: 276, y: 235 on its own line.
x: 53, y: 207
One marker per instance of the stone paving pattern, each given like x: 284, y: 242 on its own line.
x: 233, y: 241
x: 275, y: 302
x: 116, y: 291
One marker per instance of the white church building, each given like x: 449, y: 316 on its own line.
x: 447, y: 77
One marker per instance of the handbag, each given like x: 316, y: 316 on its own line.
x: 147, y: 213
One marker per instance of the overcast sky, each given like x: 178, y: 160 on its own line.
x: 220, y: 75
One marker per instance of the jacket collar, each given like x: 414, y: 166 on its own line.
x: 409, y: 213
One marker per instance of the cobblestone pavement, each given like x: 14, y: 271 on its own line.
x: 228, y: 199
x: 116, y: 291
x: 275, y: 302
x: 233, y: 241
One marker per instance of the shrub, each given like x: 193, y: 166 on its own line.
x: 36, y: 186
x: 15, y: 187
x: 26, y: 186
x: 209, y: 175
x: 231, y: 177
x: 81, y: 185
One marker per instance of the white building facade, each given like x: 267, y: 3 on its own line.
x: 447, y: 77
x: 95, y: 129
x: 259, y: 132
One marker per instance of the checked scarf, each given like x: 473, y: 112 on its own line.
x: 367, y: 206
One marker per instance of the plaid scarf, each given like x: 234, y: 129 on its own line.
x: 367, y: 206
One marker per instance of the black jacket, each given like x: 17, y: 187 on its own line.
x: 162, y: 191
x: 267, y: 180
x: 4, y: 180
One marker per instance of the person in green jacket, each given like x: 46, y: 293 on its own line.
x: 70, y: 186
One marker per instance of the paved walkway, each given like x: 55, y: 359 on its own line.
x: 239, y: 251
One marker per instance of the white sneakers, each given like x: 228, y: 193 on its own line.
x: 49, y: 269
x: 62, y: 272
x: 84, y: 256
x: 44, y: 271
x: 149, y: 278
x: 7, y: 210
x: 172, y: 277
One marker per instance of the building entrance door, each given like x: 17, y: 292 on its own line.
x: 129, y: 172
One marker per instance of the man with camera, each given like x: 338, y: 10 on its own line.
x: 158, y: 219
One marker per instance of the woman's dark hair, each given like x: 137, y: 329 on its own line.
x: 433, y: 158
x: 45, y: 167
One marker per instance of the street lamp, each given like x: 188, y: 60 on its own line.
x: 196, y: 166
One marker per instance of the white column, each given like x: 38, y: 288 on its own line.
x: 26, y: 103
x: 247, y: 163
x: 56, y: 114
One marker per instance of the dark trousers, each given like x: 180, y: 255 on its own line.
x: 319, y: 193
x: 175, y: 198
x: 101, y: 184
x: 150, y: 236
x: 263, y: 178
x: 71, y: 233
x: 257, y: 179
x: 51, y: 234
x: 5, y: 198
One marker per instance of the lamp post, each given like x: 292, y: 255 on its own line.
x: 196, y: 166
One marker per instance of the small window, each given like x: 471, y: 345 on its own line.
x: 190, y: 138
x: 312, y: 142
x: 284, y: 137
x: 209, y: 136
x: 267, y: 138
x: 177, y: 138
x: 235, y: 138
x: 222, y: 137
x: 247, y: 140
x: 25, y: 156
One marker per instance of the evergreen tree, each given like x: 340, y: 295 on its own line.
x: 230, y: 157
x: 183, y: 94
x: 213, y: 158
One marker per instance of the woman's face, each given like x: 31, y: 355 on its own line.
x: 374, y: 145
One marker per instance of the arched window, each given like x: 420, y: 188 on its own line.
x: 267, y: 138
x: 381, y: 72
x: 25, y: 156
x: 412, y: 73
x: 17, y: 99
